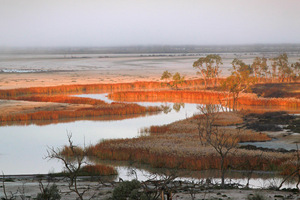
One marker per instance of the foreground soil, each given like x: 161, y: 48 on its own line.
x: 30, y: 188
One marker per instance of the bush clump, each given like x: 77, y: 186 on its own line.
x: 49, y: 193
x: 256, y: 196
x: 127, y: 190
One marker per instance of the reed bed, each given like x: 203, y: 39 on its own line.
x: 61, y: 99
x: 170, y: 95
x: 211, y: 97
x: 115, y: 109
x: 98, y: 170
x: 177, y: 145
x: 93, y: 88
x: 178, y: 154
x: 245, y: 136
x: 283, y: 102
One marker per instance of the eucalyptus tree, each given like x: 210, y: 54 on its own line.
x: 296, y: 70
x: 166, y: 75
x: 239, y: 80
x: 177, y: 79
x: 284, y: 70
x: 209, y: 68
x: 260, y: 67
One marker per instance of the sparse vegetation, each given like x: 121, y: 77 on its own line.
x: 223, y: 141
x: 127, y: 190
x: 74, y: 160
x: 201, y: 142
x: 256, y: 196
x: 49, y: 193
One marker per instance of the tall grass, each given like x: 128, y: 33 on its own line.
x: 177, y: 145
x: 92, y: 88
x: 183, y: 160
x: 115, y: 109
x: 212, y: 97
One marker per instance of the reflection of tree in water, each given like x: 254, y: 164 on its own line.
x: 178, y: 106
x: 166, y: 108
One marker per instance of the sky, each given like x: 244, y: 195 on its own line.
x: 55, y: 23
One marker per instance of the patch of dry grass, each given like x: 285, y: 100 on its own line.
x: 177, y: 145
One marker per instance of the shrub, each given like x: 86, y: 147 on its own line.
x: 49, y: 193
x: 256, y: 196
x: 127, y: 190
x: 98, y: 170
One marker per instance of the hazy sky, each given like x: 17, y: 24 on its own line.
x: 144, y: 22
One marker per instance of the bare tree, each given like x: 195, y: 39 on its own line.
x: 159, y: 186
x: 296, y: 172
x: 249, y: 166
x: 73, y: 158
x: 7, y: 197
x: 221, y: 140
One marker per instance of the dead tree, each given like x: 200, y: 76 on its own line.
x: 250, y: 167
x: 296, y: 172
x: 221, y: 140
x: 159, y: 186
x: 73, y: 158
x: 12, y: 196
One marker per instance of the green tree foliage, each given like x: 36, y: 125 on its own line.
x: 296, y: 70
x: 178, y: 106
x: 256, y: 196
x: 260, y: 67
x: 127, y: 190
x: 242, y: 70
x: 166, y: 75
x: 177, y: 79
x: 239, y: 80
x: 209, y: 68
x: 280, y: 64
x: 49, y: 193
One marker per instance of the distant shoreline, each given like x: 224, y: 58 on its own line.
x: 244, y: 48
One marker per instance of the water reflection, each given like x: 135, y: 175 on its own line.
x: 178, y: 106
x: 142, y: 172
x: 166, y: 108
x: 233, y: 178
x: 22, y: 148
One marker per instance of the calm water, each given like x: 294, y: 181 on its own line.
x: 22, y: 148
x: 273, y: 145
x: 265, y: 181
